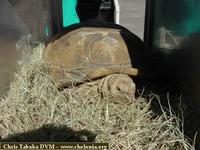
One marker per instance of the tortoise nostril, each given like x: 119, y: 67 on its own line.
x: 118, y: 88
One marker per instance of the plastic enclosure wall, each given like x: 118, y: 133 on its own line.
x: 169, y: 22
x: 30, y: 17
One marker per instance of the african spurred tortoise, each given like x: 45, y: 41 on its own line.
x: 88, y: 54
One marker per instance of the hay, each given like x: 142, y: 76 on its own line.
x: 33, y: 100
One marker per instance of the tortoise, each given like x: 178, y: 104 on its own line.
x: 88, y: 53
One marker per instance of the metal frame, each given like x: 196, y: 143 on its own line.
x: 148, y: 27
x: 57, y: 16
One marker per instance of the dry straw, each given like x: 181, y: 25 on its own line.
x: 33, y: 100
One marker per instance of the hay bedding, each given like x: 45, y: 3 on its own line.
x: 33, y: 100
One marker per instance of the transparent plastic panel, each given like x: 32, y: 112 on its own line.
x: 23, y: 23
x: 175, y: 21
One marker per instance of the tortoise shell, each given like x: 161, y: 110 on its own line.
x: 88, y: 53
